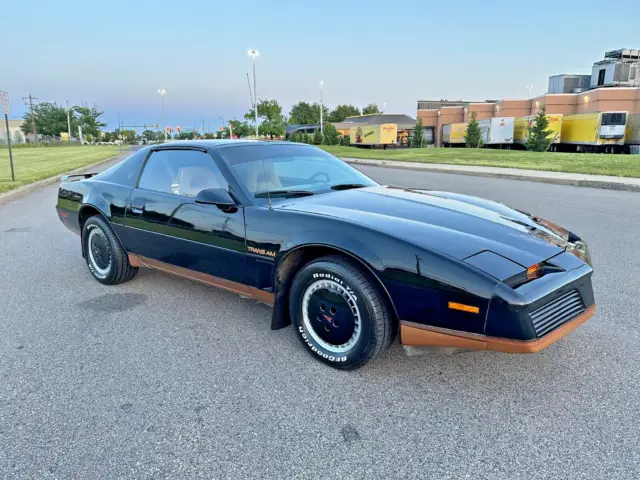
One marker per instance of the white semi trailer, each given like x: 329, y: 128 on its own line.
x: 497, y: 130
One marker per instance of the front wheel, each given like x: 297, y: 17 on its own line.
x: 107, y: 260
x: 339, y: 314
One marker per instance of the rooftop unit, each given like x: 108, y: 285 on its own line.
x: 568, y: 83
x: 437, y: 104
x: 623, y: 54
x: 620, y: 68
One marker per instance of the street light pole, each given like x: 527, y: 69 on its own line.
x: 222, y: 120
x: 321, y: 109
x: 529, y: 88
x: 254, y: 53
x: 162, y: 91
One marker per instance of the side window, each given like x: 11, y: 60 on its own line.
x: 181, y: 172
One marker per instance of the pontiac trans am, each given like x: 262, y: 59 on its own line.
x: 349, y: 262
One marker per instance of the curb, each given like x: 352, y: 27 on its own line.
x: 30, y: 187
x: 611, y: 183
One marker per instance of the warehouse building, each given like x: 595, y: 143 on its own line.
x: 405, y: 125
x: 614, y: 85
x: 14, y: 130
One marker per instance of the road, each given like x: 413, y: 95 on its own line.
x: 163, y: 377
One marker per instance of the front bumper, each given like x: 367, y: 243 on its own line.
x: 525, y: 320
x: 418, y: 335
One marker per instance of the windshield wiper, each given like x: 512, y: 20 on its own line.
x: 347, y: 186
x: 284, y: 193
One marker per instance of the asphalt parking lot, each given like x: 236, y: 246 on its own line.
x: 163, y: 377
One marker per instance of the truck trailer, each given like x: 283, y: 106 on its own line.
x: 497, y: 131
x: 374, y: 135
x: 632, y: 135
x: 594, y: 132
x: 453, y: 134
x: 522, y: 125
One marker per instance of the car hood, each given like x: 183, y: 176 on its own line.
x: 457, y: 225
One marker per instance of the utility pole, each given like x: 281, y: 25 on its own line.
x: 254, y: 53
x: 68, y: 122
x: 321, y: 108
x: 202, y: 127
x: 33, y: 117
x: 162, y: 92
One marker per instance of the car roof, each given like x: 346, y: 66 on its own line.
x: 209, y: 144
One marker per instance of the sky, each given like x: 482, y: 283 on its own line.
x: 117, y: 54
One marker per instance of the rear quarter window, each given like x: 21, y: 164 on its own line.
x: 125, y: 172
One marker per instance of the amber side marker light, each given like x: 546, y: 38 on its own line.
x: 463, y: 308
x: 534, y: 271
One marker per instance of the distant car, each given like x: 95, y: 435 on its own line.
x: 348, y: 261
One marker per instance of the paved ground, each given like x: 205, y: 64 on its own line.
x: 163, y: 377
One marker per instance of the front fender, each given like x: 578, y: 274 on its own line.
x: 349, y: 244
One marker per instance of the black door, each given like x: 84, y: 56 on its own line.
x: 165, y: 224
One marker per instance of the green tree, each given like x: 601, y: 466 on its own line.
x: 129, y: 136
x: 159, y: 136
x: 241, y: 129
x: 273, y: 122
x: 148, y: 135
x: 17, y: 137
x: 185, y: 135
x: 50, y: 118
x: 89, y: 119
x: 303, y: 113
x: 341, y: 112
x: 539, y: 135
x: 317, y: 137
x: 371, y: 109
x: 417, y: 139
x: 331, y: 135
x: 473, y: 135
x: 345, y: 140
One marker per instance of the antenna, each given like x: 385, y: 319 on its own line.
x: 250, y: 94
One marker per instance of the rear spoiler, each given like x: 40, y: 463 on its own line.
x: 77, y: 176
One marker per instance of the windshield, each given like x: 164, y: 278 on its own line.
x: 293, y: 170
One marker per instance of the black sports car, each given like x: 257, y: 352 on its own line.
x: 348, y: 261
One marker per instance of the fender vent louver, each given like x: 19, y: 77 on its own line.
x: 557, y: 312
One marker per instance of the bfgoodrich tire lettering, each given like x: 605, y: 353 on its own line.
x: 108, y: 262
x: 339, y: 314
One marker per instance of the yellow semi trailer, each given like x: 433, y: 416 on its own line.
x: 374, y: 135
x: 522, y: 125
x: 453, y: 134
x: 594, y: 132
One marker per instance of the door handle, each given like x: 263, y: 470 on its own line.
x: 137, y: 207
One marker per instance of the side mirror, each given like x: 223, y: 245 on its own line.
x: 215, y: 196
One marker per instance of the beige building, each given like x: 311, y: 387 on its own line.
x: 14, y: 129
x: 597, y: 100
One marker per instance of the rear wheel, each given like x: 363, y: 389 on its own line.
x: 339, y: 314
x: 107, y: 260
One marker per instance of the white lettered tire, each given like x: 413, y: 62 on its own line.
x: 339, y: 313
x: 108, y: 262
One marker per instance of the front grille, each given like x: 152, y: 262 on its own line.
x: 557, y: 312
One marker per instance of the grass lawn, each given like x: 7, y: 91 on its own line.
x: 32, y: 164
x: 597, y: 164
